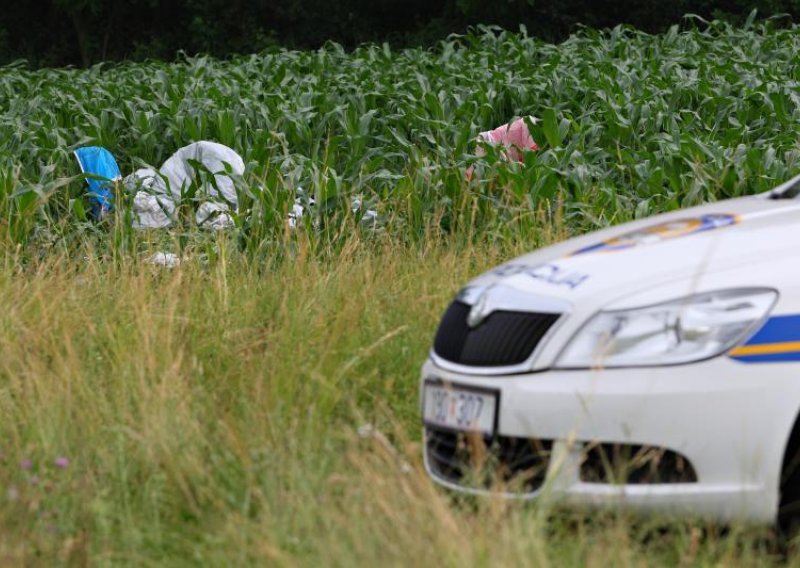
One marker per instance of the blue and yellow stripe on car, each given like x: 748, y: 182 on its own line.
x: 777, y: 340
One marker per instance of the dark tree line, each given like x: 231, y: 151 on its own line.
x: 83, y: 32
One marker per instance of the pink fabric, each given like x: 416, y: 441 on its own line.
x: 514, y: 137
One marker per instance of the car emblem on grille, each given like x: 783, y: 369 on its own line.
x: 480, y: 311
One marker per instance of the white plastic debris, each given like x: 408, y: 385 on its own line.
x: 295, y: 214
x: 159, y: 192
x: 366, y: 430
x: 153, y: 206
x: 299, y: 208
x: 165, y: 259
x: 370, y: 216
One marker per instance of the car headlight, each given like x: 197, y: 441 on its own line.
x: 680, y: 331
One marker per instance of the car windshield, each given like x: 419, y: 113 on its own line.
x: 790, y: 190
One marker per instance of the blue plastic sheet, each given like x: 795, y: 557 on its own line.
x: 98, y: 161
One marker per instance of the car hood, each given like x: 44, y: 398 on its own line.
x: 657, y: 258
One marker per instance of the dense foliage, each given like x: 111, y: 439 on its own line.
x: 632, y: 124
x: 81, y: 32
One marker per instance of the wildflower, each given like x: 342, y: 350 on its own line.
x: 62, y: 462
x: 26, y: 463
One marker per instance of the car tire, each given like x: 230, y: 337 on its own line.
x: 789, y: 502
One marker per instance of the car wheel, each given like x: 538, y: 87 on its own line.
x: 789, y: 503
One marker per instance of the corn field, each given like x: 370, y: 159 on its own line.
x: 630, y: 125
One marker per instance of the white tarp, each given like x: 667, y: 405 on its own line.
x: 159, y: 192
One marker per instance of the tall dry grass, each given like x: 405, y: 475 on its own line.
x: 228, y: 413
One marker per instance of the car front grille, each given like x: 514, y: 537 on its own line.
x: 634, y: 464
x: 503, y: 338
x: 514, y: 465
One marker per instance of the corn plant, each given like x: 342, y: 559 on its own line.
x: 631, y: 124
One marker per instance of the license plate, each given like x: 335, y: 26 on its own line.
x: 459, y: 408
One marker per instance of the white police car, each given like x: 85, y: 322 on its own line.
x: 654, y: 364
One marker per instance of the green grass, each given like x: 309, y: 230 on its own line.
x: 230, y: 415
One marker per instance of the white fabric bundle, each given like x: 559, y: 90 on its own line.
x: 159, y: 192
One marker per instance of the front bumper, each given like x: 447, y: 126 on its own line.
x: 730, y: 420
